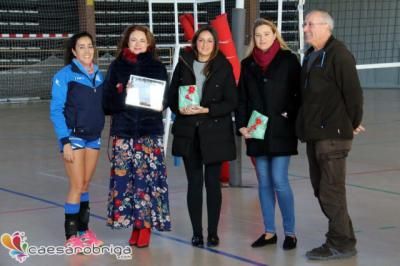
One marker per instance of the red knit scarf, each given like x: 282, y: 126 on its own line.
x: 263, y: 59
x: 129, y: 56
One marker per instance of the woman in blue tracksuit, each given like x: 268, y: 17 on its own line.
x: 78, y: 119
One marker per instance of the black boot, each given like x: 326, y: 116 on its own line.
x: 212, y: 240
x: 290, y: 242
x: 84, y: 214
x: 261, y: 241
x: 197, y: 241
x: 71, y: 225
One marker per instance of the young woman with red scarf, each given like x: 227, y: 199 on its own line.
x: 138, y: 194
x: 269, y: 84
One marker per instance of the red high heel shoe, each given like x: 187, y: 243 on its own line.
x: 134, y: 237
x: 144, y: 238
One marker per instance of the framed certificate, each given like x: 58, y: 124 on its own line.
x: 145, y: 92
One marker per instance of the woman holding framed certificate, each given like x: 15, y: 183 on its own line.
x: 203, y: 95
x: 269, y: 87
x: 138, y: 194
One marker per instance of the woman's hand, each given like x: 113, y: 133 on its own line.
x: 129, y: 84
x: 68, y: 153
x: 194, y: 110
x: 201, y: 109
x: 245, y: 132
x: 358, y: 130
x: 128, y: 87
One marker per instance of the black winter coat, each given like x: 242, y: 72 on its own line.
x: 215, y: 129
x: 332, y: 101
x: 272, y: 93
x: 129, y: 121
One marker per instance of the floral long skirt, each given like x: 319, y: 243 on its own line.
x: 138, y: 185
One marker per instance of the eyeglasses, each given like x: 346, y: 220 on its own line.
x: 311, y: 24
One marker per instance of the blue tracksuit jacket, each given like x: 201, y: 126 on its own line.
x: 76, y: 102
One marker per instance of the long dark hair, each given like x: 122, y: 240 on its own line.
x: 214, y: 51
x: 71, y: 43
x: 123, y: 43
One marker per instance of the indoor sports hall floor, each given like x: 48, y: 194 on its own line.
x: 33, y: 187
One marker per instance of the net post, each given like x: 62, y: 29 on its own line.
x: 87, y: 21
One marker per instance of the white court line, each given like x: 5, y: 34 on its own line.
x: 55, y: 170
x: 66, y: 179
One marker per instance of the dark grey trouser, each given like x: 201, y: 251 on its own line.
x: 327, y: 162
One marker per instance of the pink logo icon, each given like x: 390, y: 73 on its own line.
x: 16, y: 244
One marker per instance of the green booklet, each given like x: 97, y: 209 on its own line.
x: 188, y: 95
x: 257, y: 125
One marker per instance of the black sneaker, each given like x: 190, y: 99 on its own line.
x: 197, y: 241
x: 327, y: 253
x: 212, y: 240
x: 261, y: 241
x: 290, y: 242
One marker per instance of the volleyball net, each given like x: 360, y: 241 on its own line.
x: 371, y: 30
x: 33, y: 33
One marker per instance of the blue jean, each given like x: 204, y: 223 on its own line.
x: 272, y: 174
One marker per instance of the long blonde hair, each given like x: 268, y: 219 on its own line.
x: 269, y: 23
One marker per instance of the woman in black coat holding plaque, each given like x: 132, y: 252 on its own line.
x: 203, y: 131
x: 138, y: 194
x: 269, y: 84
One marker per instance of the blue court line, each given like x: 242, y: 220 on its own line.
x: 232, y: 256
x: 223, y: 253
x: 32, y: 197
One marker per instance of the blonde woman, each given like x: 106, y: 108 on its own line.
x: 269, y: 84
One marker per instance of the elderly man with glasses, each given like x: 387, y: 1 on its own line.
x: 329, y: 117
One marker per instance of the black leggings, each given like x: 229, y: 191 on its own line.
x: 196, y: 176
